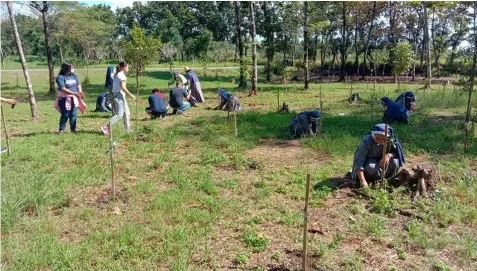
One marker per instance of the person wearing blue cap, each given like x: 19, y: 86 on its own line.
x: 368, y: 157
x: 304, y: 123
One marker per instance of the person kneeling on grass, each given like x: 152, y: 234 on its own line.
x: 176, y: 96
x: 228, y: 102
x: 394, y: 112
x: 304, y: 123
x: 102, y: 103
x: 406, y: 99
x: 157, y: 105
x: 368, y: 157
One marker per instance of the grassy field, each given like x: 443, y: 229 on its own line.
x: 188, y: 200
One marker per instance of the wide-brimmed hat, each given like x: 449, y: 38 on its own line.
x: 187, y: 68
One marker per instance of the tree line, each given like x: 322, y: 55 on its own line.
x: 349, y: 38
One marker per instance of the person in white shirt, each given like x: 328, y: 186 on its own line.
x: 119, y: 91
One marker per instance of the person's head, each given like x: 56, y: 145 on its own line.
x: 409, y: 100
x: 378, y: 133
x: 384, y: 101
x: 179, y: 84
x: 176, y: 75
x: 155, y: 90
x: 65, y: 69
x: 122, y: 67
x: 314, y: 115
x: 187, y: 69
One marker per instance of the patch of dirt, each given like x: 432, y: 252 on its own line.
x: 254, y: 105
x: 271, y: 153
x: 98, y: 197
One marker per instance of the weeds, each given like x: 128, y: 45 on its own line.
x: 256, y: 242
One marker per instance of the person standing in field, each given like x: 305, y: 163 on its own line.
x: 195, y: 88
x: 109, y: 85
x: 119, y: 91
x: 69, y: 97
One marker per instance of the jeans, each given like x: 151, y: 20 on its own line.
x: 182, y: 108
x: 121, y: 110
x: 155, y: 114
x: 67, y: 114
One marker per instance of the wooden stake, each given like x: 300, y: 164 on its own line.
x: 372, y: 108
x: 111, y: 156
x: 278, y: 99
x: 385, y: 146
x: 321, y: 115
x: 17, y: 80
x: 235, y: 118
x: 5, y: 131
x: 305, y: 220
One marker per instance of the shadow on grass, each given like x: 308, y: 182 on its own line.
x: 55, y: 133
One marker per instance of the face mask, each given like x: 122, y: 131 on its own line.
x: 72, y: 70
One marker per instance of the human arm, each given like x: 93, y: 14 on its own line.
x: 8, y: 101
x: 61, y: 82
x: 187, y: 94
x: 80, y: 88
x: 125, y: 89
x: 360, y: 156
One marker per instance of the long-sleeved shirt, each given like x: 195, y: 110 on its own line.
x: 304, y: 121
x: 369, y: 149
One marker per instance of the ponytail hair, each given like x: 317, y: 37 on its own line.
x: 120, y: 67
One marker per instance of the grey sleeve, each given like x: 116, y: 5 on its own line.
x: 360, y: 156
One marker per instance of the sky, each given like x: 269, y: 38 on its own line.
x: 114, y: 4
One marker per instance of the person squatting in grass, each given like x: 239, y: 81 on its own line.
x: 102, y: 103
x: 177, y: 77
x: 228, y: 102
x: 157, y: 105
x: 399, y: 110
x: 304, y: 124
x: 194, y: 85
x: 68, y: 97
x: 368, y: 156
x: 176, y: 99
x: 119, y: 92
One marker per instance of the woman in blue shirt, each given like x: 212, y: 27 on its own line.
x: 69, y: 90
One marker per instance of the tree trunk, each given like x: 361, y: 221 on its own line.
x: 240, y: 42
x: 254, y: 51
x: 61, y: 52
x: 356, y: 55
x: 49, y: 55
x: 344, y: 44
x: 392, y: 17
x: 368, y: 41
x: 305, y: 42
x: 473, y: 70
x: 427, y: 45
x: 33, y: 107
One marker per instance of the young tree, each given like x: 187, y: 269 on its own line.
x: 472, y: 77
x: 427, y: 45
x: 344, y: 44
x: 238, y: 22
x: 139, y: 51
x: 168, y: 51
x: 34, y: 109
x: 402, y: 59
x: 379, y: 57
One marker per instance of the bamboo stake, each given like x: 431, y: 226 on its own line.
x: 305, y: 220
x: 235, y: 118
x: 385, y: 146
x: 111, y: 156
x: 321, y: 115
x: 6, y: 133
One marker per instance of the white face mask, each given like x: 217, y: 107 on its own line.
x: 72, y: 70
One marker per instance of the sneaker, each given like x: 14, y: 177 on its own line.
x: 61, y: 132
x: 3, y: 150
x: 105, y: 130
x: 179, y: 112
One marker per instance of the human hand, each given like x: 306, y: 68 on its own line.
x: 386, y: 160
x: 133, y: 97
x: 81, y: 95
x: 10, y: 101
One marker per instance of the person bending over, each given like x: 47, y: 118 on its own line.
x: 157, y: 105
x: 304, y: 124
x: 176, y: 99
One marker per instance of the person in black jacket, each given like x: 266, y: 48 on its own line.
x: 304, y: 123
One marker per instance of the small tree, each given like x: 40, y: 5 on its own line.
x: 139, y: 51
x: 379, y: 57
x: 403, y: 56
x: 168, y: 51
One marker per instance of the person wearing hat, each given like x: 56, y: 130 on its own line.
x: 407, y: 100
x: 69, y: 96
x: 368, y: 157
x: 304, y: 123
x: 181, y: 78
x: 194, y: 85
x: 157, y: 105
x: 394, y: 112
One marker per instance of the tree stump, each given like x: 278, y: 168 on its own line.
x: 420, y: 179
x: 354, y: 98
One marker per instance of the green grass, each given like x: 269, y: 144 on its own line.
x: 189, y: 200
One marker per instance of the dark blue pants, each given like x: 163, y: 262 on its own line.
x: 67, y: 114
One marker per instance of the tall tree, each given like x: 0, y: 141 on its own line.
x: 33, y: 107
x: 254, y: 51
x: 43, y: 8
x: 368, y: 39
x: 306, y: 43
x: 238, y: 23
x: 344, y: 44
x: 427, y: 44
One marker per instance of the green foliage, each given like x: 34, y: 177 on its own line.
x: 242, y: 257
x: 140, y: 49
x: 251, y: 239
x: 403, y: 56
